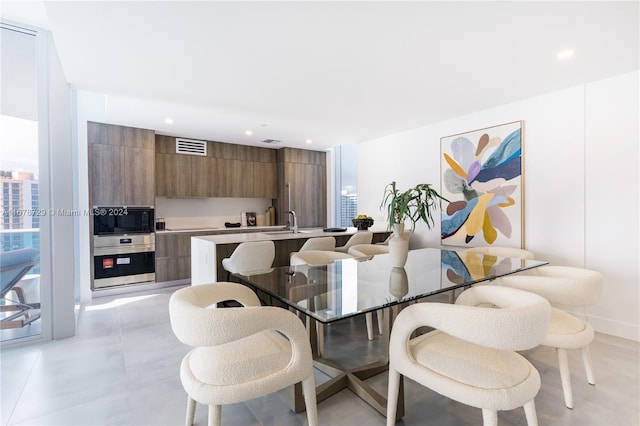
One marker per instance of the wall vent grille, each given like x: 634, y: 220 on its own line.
x: 191, y: 147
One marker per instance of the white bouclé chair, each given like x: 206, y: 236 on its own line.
x: 470, y: 356
x: 367, y: 251
x: 570, y: 287
x: 250, y: 256
x: 239, y: 353
x: 319, y: 243
x: 361, y: 237
x: 316, y: 257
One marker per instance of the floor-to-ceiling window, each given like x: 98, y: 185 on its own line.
x: 346, y: 191
x: 19, y: 198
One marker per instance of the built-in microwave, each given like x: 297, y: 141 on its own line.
x: 122, y: 220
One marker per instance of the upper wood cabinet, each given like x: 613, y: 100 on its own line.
x: 121, y: 165
x: 302, y: 186
x: 227, y: 170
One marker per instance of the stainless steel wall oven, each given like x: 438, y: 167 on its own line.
x: 123, y: 246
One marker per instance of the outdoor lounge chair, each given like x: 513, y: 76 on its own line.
x: 13, y: 266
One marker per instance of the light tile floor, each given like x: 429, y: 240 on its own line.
x: 121, y: 368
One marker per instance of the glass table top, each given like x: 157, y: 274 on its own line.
x: 349, y: 287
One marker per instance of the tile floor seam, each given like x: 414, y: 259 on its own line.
x: 24, y: 385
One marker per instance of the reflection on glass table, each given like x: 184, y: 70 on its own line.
x: 349, y: 287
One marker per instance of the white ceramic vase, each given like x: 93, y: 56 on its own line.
x: 398, y: 246
x: 398, y: 283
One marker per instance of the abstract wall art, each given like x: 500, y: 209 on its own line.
x: 481, y: 176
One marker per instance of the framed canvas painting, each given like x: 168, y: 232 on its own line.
x: 481, y: 176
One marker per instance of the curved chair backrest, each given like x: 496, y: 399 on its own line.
x: 251, y: 256
x: 520, y: 323
x: 195, y: 324
x: 564, y: 285
x: 503, y: 251
x: 366, y: 250
x: 361, y: 237
x: 316, y: 257
x: 319, y: 243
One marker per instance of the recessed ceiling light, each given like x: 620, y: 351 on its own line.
x: 168, y: 120
x: 565, y: 54
x: 309, y: 141
x: 248, y: 132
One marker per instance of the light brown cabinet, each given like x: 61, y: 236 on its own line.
x: 265, y: 180
x: 228, y: 170
x: 302, y: 180
x: 121, y: 165
x: 173, y: 175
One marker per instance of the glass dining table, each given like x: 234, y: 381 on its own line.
x: 322, y: 294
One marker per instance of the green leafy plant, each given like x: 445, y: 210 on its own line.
x: 414, y: 204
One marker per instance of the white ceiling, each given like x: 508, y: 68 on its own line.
x: 333, y: 72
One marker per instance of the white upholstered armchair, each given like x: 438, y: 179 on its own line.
x: 239, y: 353
x: 470, y: 356
x: 568, y: 287
x: 250, y: 256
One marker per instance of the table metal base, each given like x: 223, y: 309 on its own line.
x: 353, y: 379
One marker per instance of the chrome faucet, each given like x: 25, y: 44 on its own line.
x: 292, y: 221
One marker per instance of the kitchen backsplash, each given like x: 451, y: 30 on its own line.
x: 208, y: 212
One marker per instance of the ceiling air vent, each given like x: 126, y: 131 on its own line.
x: 188, y: 146
x: 271, y: 141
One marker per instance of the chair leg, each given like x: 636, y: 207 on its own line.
x: 380, y: 321
x: 586, y: 360
x: 320, y: 332
x: 191, y: 411
x: 392, y: 396
x: 369, y: 320
x: 565, y: 376
x: 309, y: 392
x: 489, y: 417
x: 530, y: 413
x: 215, y: 415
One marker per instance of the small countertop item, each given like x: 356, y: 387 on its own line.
x: 334, y: 229
x: 232, y: 225
x: 270, y: 216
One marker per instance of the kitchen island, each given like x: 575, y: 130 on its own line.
x: 207, y: 252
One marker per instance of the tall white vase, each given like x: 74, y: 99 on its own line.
x: 398, y: 283
x: 398, y: 246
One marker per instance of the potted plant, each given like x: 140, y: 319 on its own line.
x: 415, y: 204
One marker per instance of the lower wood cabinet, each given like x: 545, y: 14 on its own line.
x: 173, y: 257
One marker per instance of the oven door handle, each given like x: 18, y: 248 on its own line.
x: 125, y: 249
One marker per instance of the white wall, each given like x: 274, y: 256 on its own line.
x: 208, y: 212
x: 88, y: 107
x: 580, y: 183
x: 58, y: 231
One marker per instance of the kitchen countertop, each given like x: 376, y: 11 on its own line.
x: 242, y: 229
x: 279, y: 234
x: 207, y: 251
